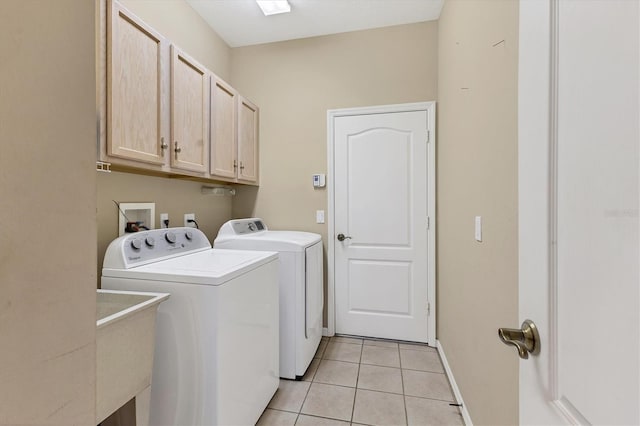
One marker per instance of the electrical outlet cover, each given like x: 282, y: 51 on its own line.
x: 163, y: 217
x: 187, y: 217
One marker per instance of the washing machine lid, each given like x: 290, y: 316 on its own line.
x: 253, y: 234
x: 210, y: 267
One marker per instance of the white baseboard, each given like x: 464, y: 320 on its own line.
x: 454, y: 386
x: 325, y: 331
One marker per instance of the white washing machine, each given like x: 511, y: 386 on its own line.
x: 216, y: 354
x: 301, y: 287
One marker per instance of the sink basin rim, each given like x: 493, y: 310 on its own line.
x: 154, y: 298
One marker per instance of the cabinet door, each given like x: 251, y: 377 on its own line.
x: 189, y: 113
x: 247, y: 141
x: 224, y: 152
x: 134, y: 79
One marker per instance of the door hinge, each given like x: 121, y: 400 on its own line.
x: 428, y: 222
x: 428, y: 136
x: 428, y: 308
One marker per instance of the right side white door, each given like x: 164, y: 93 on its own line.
x: 381, y: 208
x: 579, y: 244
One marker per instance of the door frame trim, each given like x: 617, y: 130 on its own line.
x: 332, y: 114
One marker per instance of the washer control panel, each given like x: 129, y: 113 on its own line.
x: 145, y: 247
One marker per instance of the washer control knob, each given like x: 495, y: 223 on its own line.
x: 189, y: 235
x: 136, y: 243
x: 150, y: 241
x: 170, y: 237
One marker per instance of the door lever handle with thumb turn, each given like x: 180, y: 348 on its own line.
x: 526, y: 340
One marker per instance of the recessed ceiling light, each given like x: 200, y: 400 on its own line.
x: 272, y: 7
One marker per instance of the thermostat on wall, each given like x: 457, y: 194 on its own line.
x: 319, y: 181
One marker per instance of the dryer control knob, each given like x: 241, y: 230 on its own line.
x: 170, y: 237
x: 189, y: 235
x: 150, y: 241
x: 136, y: 243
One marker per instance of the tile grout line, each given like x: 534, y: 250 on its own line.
x: 355, y: 393
x: 404, y: 396
x: 425, y: 371
x: 324, y: 417
x: 311, y: 382
x: 305, y: 399
x: 340, y: 360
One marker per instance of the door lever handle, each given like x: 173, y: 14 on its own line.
x: 526, y: 339
x: 342, y: 237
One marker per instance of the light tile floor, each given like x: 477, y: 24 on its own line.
x: 366, y: 382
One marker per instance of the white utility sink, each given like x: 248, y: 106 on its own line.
x: 125, y: 338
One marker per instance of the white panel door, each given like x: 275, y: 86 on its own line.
x: 579, y: 193
x: 381, y: 207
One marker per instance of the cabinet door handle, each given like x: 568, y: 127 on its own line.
x: 163, y: 144
x: 177, y: 149
x: 235, y: 164
x: 241, y: 166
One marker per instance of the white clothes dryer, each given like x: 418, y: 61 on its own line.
x: 216, y: 353
x: 301, y: 286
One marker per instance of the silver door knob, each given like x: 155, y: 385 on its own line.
x: 526, y: 339
x: 341, y: 237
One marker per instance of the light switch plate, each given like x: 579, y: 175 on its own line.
x: 319, y: 216
x: 479, y: 228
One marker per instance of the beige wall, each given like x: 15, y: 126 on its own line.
x: 178, y: 22
x: 48, y: 212
x: 477, y: 176
x: 296, y: 82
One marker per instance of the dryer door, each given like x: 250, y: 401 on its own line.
x: 314, y: 294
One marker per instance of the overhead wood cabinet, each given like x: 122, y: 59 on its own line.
x: 166, y: 112
x: 247, y: 141
x: 135, y: 71
x: 189, y: 113
x: 234, y: 135
x: 224, y: 141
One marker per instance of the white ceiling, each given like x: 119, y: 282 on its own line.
x: 241, y: 23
